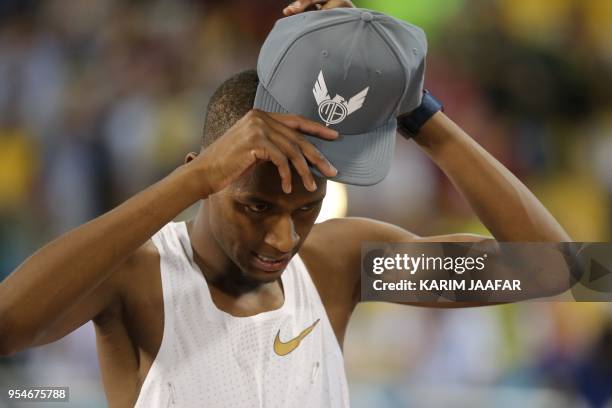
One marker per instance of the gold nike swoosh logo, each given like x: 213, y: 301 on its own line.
x: 284, y: 348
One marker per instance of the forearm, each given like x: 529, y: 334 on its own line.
x: 63, y: 272
x: 501, y: 201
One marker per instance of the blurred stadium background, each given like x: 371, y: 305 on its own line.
x: 100, y: 98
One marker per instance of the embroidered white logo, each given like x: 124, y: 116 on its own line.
x: 333, y: 111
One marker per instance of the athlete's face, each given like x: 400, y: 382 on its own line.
x: 260, y: 227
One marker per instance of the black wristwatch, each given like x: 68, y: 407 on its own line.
x: 410, y: 123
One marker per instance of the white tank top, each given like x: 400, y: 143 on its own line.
x: 288, y: 357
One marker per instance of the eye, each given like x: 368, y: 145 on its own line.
x: 257, y: 208
x: 309, y: 207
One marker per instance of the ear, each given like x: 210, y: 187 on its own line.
x: 190, y: 156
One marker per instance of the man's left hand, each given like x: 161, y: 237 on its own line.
x: 300, y: 6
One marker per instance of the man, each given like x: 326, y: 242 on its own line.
x: 248, y: 303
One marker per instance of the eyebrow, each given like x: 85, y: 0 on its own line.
x: 258, y: 199
x: 314, y: 202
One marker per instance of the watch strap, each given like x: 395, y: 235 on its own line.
x: 410, y: 123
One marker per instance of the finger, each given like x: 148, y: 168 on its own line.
x: 307, y: 149
x: 296, y: 7
x: 336, y: 4
x: 284, y: 141
x: 314, y: 156
x: 269, y: 152
x: 300, y: 6
x: 305, y: 125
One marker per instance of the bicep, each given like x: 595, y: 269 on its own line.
x: 346, y: 236
x: 449, y: 305
x: 364, y: 229
x: 101, y: 303
x: 359, y: 230
x: 92, y: 305
x: 457, y: 238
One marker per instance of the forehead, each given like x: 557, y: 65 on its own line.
x: 264, y: 181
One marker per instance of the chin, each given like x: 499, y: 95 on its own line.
x: 255, y: 275
x: 264, y: 276
x: 263, y: 272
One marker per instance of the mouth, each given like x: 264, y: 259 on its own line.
x: 270, y: 264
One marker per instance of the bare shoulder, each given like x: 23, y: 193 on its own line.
x: 332, y: 252
x: 137, y: 271
x: 345, y: 235
x: 135, y: 275
x: 104, y: 305
x: 338, y: 241
x: 145, y: 256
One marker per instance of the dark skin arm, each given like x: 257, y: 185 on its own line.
x: 69, y: 281
x: 77, y: 277
x: 501, y: 201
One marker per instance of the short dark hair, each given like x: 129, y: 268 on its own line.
x: 231, y: 101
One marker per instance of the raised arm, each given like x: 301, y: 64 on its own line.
x: 68, y: 282
x: 500, y: 200
x: 74, y: 270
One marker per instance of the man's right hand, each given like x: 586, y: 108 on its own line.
x: 78, y: 276
x: 260, y: 136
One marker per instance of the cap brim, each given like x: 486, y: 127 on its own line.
x: 361, y: 159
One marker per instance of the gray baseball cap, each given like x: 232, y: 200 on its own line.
x: 354, y: 70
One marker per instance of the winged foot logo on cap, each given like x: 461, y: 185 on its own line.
x: 334, y: 111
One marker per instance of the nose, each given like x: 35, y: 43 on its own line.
x: 281, y: 234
